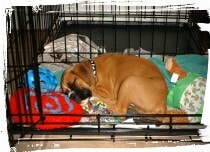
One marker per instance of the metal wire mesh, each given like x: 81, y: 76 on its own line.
x: 162, y: 32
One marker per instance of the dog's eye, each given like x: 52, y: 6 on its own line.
x: 74, y: 82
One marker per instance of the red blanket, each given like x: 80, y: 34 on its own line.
x: 59, y: 111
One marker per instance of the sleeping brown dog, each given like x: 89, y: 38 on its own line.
x: 120, y: 81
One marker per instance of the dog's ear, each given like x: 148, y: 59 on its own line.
x: 83, y: 71
x: 65, y: 79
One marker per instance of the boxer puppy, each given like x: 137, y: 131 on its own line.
x: 120, y: 81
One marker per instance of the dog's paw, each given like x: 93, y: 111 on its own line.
x: 119, y: 113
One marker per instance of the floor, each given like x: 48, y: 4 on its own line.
x: 27, y: 146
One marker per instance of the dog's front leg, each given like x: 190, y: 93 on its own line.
x: 123, y: 99
x: 105, y: 95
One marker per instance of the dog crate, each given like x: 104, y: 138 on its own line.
x: 44, y: 40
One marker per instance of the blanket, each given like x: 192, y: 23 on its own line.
x: 58, y: 110
x: 191, y: 63
x: 72, y: 48
x: 187, y: 93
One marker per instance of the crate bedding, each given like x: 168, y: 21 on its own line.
x: 187, y: 93
x: 24, y: 107
x: 62, y: 51
x: 195, y: 65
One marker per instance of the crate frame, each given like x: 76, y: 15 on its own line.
x: 45, y: 26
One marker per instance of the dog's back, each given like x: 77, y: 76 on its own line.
x: 126, y: 65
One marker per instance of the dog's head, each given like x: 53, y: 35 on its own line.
x: 77, y: 80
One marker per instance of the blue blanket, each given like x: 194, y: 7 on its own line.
x: 191, y: 63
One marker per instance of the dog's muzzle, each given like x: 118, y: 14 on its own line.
x: 70, y: 93
x: 79, y: 95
